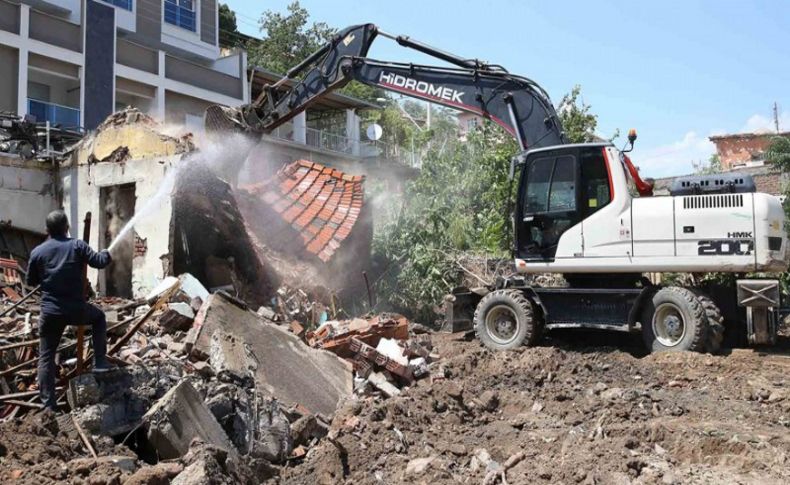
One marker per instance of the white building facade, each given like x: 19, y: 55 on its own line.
x: 73, y: 62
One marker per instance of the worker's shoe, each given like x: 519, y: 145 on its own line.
x: 103, y: 366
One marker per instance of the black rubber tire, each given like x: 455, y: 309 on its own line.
x: 694, y: 318
x: 527, y: 329
x: 715, y: 322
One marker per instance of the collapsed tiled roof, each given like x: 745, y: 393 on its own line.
x: 321, y: 203
x: 9, y: 272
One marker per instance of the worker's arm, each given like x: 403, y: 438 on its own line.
x: 33, y: 278
x: 98, y: 260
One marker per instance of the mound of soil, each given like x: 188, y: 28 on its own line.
x: 568, y: 413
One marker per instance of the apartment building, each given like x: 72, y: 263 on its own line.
x: 74, y: 62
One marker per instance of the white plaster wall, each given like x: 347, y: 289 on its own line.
x: 27, y: 194
x: 154, y: 227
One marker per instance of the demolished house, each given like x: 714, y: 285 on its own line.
x: 236, y: 367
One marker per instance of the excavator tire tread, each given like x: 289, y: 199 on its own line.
x: 715, y: 322
x: 528, y: 331
x: 696, y: 319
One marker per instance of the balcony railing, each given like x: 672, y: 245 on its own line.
x: 332, y: 142
x: 56, y: 114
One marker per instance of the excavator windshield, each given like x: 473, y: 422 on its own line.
x: 559, y: 187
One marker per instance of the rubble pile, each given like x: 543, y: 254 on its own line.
x: 384, y: 355
x: 207, y: 391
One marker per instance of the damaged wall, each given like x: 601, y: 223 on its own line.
x: 125, y: 149
x: 148, y: 267
x: 186, y: 219
x: 27, y: 192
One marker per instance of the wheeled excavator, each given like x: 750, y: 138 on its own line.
x: 582, y: 210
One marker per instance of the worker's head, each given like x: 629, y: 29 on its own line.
x: 57, y: 223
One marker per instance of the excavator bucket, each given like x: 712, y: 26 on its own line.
x: 222, y: 119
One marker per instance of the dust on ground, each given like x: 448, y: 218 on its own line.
x: 579, y: 412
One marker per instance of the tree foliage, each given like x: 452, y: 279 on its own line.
x: 713, y: 165
x: 458, y: 202
x: 577, y: 119
x: 778, y: 153
x: 288, y: 38
x: 228, y: 29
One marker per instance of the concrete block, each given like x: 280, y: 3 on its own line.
x: 179, y: 417
x: 178, y: 316
x: 230, y: 358
x: 163, y: 286
x: 287, y: 368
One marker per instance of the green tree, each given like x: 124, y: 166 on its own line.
x: 228, y: 30
x: 289, y: 38
x: 713, y: 165
x: 458, y: 202
x: 577, y: 120
x: 778, y: 153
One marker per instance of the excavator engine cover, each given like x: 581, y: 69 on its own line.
x: 720, y: 183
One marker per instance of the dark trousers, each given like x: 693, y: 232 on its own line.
x: 50, y: 331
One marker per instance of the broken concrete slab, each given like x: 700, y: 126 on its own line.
x: 288, y: 369
x: 192, y: 288
x: 114, y: 403
x: 178, y: 316
x: 231, y: 359
x: 163, y: 287
x: 179, y: 417
x: 380, y: 382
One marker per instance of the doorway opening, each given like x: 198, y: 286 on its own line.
x: 117, y: 202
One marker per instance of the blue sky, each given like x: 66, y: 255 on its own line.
x: 677, y: 71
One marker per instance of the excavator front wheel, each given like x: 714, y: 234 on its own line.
x: 675, y: 319
x: 504, y: 320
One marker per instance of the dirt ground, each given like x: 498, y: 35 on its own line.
x: 577, y: 411
x: 586, y: 408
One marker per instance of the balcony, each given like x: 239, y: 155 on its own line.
x: 332, y: 142
x: 56, y: 114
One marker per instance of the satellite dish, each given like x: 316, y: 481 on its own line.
x: 374, y: 131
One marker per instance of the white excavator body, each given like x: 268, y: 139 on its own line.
x: 717, y: 232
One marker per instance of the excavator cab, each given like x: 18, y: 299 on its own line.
x: 559, y: 187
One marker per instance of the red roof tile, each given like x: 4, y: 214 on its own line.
x: 321, y: 203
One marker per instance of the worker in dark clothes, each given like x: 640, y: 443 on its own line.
x: 57, y: 265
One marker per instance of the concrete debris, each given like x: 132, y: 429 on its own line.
x: 380, y: 349
x: 336, y: 335
x: 287, y: 369
x: 222, y: 393
x: 178, y: 316
x: 231, y: 359
x: 179, y: 417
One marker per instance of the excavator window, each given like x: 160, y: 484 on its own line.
x: 558, y: 189
x: 549, y: 203
x: 595, y: 181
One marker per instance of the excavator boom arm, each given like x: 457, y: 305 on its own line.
x: 516, y: 103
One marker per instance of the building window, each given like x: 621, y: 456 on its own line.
x: 181, y: 13
x: 124, y: 4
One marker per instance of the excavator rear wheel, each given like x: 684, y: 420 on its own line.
x: 674, y: 319
x: 504, y: 320
x: 715, y: 322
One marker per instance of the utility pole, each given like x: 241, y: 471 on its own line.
x: 776, y: 117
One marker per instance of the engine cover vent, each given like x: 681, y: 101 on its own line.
x: 712, y: 201
x: 719, y: 183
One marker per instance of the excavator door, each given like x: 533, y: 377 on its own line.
x: 556, y: 193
